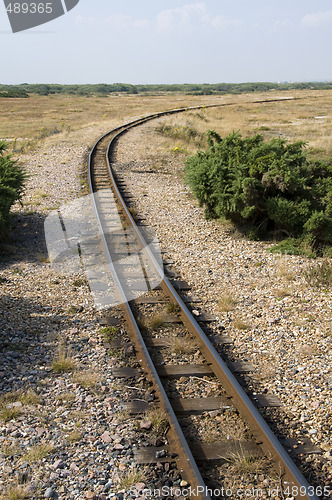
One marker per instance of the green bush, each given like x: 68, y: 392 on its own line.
x: 268, y: 186
x: 12, y: 179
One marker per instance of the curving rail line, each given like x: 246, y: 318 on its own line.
x: 290, y: 476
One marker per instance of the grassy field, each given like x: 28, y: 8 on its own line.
x: 307, y: 118
x: 32, y: 120
x: 28, y: 122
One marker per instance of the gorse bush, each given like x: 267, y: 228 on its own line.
x: 12, y: 179
x: 269, y: 186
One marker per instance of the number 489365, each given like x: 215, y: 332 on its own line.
x: 29, y: 8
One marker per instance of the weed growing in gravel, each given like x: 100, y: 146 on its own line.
x: 244, y: 464
x: 65, y: 396
x: 320, y: 274
x: 43, y: 416
x: 74, y: 436
x: 123, y: 415
x: 172, y: 308
x: 11, y: 450
x: 109, y: 332
x: 182, y: 345
x: 131, y: 478
x: 30, y: 397
x: 284, y: 272
x: 15, y: 493
x: 267, y: 369
x: 158, y: 419
x: 64, y: 362
x: 38, y: 452
x: 227, y: 302
x: 283, y: 292
x: 186, y: 134
x: 79, y: 282
x: 239, y: 324
x: 156, y: 322
x: 7, y: 414
x: 10, y: 397
x: 87, y: 379
x: 211, y: 435
x: 114, y: 353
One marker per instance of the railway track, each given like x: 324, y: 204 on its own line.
x: 131, y: 243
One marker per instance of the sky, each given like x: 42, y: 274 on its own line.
x: 173, y: 41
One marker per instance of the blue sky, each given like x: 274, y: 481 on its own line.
x: 173, y: 41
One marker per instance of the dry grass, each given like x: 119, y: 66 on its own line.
x: 172, y: 308
x: 16, y: 493
x: 38, y: 452
x: 74, y: 436
x: 65, y: 396
x: 227, y: 426
x: 227, y: 302
x: 286, y: 273
x: 88, y: 379
x: 291, y: 119
x: 10, y: 450
x: 244, y: 464
x: 267, y: 369
x: 157, y: 321
x: 64, y: 362
x: 320, y: 274
x: 50, y: 118
x: 9, y: 411
x: 131, y: 478
x: 240, y: 324
x: 7, y: 414
x: 158, y: 419
x: 282, y: 293
x: 38, y: 118
x: 182, y: 345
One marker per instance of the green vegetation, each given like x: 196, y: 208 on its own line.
x: 12, y: 179
x: 14, y: 93
x: 102, y: 89
x: 265, y: 187
x: 110, y: 333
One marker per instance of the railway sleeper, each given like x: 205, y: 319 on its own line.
x: 222, y: 451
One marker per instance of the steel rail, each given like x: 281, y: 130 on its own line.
x: 290, y: 475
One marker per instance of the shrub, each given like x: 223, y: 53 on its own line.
x: 268, y: 186
x: 12, y: 179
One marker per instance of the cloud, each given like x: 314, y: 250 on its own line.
x: 316, y: 19
x: 284, y: 23
x: 116, y: 22
x: 191, y: 15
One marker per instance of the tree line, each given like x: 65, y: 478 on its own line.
x: 104, y: 89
